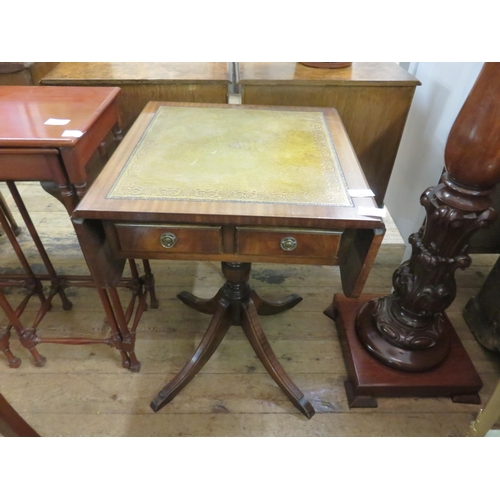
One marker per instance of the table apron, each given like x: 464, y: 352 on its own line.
x: 19, y: 165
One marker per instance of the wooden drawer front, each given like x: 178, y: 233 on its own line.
x: 294, y: 243
x: 185, y: 239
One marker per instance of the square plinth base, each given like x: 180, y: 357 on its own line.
x: 368, y: 379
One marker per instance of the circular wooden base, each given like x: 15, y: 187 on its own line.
x: 416, y: 360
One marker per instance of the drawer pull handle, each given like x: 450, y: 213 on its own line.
x: 288, y: 244
x: 168, y: 240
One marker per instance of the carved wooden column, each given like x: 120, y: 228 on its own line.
x: 408, y: 333
x: 408, y: 330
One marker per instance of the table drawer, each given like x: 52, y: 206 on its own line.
x: 288, y: 242
x: 169, y: 238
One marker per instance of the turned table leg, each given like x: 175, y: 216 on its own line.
x: 8, y: 215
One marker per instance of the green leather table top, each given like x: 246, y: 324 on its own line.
x: 214, y: 154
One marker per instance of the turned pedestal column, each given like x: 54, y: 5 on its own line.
x: 405, y: 329
x: 408, y: 331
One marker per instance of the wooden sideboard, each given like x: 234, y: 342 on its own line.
x: 144, y: 82
x: 373, y: 100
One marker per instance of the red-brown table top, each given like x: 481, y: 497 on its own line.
x: 25, y: 111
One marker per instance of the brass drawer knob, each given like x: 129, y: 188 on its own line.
x: 288, y: 244
x: 168, y: 240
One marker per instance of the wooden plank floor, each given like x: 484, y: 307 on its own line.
x: 83, y: 391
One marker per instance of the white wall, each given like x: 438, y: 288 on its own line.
x: 420, y: 158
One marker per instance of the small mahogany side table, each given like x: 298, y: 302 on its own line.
x: 66, y: 125
x: 235, y: 184
x: 49, y: 135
